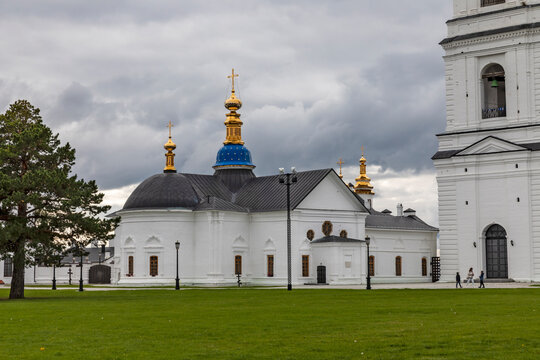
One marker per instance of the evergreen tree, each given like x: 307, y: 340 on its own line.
x: 45, y: 211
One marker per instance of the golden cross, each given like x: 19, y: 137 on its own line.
x: 362, y: 150
x: 340, y: 162
x: 232, y: 76
x: 170, y: 126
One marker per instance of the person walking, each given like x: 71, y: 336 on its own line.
x: 458, y: 280
x: 482, y: 280
x: 470, y: 277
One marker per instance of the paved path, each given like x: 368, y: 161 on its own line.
x: 437, y: 285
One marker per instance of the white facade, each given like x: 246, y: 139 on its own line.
x: 210, y: 241
x: 488, y: 169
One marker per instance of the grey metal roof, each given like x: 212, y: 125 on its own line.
x: 411, y: 222
x: 336, y: 239
x: 205, y: 185
x: 92, y: 255
x: 446, y: 154
x: 166, y: 190
x: 529, y: 26
x: 214, y: 192
x: 266, y: 193
x: 215, y: 203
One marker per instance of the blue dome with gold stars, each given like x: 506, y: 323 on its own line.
x: 233, y: 155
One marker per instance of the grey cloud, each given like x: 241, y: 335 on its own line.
x: 318, y: 79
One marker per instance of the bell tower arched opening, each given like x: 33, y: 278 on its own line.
x: 494, y: 92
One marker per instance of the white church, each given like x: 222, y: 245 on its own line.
x: 234, y: 223
x: 488, y: 164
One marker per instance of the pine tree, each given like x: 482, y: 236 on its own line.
x: 45, y: 210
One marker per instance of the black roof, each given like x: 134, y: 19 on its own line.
x: 446, y: 154
x: 92, y: 255
x: 336, y: 239
x: 528, y: 26
x: 167, y: 190
x: 378, y: 220
x: 226, y: 190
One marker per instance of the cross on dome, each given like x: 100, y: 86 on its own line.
x: 232, y: 76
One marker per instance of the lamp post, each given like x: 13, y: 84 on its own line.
x: 81, y: 280
x: 368, y: 278
x: 177, y: 245
x: 288, y: 179
x: 54, y: 277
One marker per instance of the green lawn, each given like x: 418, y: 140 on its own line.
x: 272, y: 324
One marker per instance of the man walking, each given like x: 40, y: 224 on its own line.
x: 482, y: 280
x: 458, y: 280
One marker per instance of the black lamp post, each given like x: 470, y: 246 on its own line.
x: 81, y: 280
x: 54, y: 277
x: 177, y: 245
x: 368, y: 278
x: 288, y: 179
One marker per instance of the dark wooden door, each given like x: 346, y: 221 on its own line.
x: 100, y: 274
x: 321, y: 274
x: 496, y: 253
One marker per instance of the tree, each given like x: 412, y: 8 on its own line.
x: 45, y: 210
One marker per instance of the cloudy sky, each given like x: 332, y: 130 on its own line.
x: 318, y: 79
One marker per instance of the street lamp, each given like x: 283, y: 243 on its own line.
x: 288, y: 179
x: 177, y: 245
x: 368, y: 286
x: 81, y: 280
x: 54, y: 277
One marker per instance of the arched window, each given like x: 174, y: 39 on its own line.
x: 424, y: 267
x: 398, y: 265
x: 270, y: 265
x: 305, y: 265
x: 153, y: 265
x: 238, y: 265
x: 130, y: 266
x: 8, y: 267
x: 494, y: 88
x: 372, y: 265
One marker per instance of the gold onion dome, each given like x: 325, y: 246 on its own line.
x: 363, y: 185
x: 233, y: 103
x: 169, y: 156
x: 169, y: 145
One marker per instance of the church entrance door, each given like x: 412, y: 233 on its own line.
x: 496, y: 253
x: 321, y: 274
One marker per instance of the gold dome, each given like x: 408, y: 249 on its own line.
x: 233, y: 103
x: 363, y: 185
x: 169, y: 145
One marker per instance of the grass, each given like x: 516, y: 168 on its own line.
x: 272, y: 324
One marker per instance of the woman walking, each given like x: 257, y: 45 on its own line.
x: 470, y: 277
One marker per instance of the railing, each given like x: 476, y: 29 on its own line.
x: 493, y: 113
x: 491, y: 2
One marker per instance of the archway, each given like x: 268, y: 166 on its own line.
x: 496, y: 253
x: 494, y: 92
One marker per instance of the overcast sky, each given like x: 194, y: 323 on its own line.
x: 318, y: 79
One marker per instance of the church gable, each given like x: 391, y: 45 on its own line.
x: 331, y: 194
x: 490, y: 145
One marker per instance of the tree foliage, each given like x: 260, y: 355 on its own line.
x: 45, y: 210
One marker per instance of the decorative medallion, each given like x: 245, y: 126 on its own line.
x: 343, y: 233
x: 310, y: 234
x: 327, y: 228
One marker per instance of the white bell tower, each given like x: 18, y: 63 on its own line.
x: 488, y: 163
